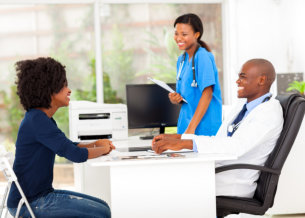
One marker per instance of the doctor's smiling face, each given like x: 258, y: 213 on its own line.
x: 250, y: 82
x: 185, y: 36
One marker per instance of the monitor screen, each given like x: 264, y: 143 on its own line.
x: 148, y: 106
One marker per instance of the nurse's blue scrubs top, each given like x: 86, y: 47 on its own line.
x: 206, y: 75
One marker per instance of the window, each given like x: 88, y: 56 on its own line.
x: 64, y: 32
x: 137, y: 42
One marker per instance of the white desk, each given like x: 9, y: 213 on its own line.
x: 83, y: 173
x: 150, y: 188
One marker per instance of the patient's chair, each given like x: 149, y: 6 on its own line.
x: 293, y: 112
x: 10, y: 176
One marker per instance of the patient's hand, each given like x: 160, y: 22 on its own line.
x: 105, y: 144
x: 166, y: 136
x: 175, y: 98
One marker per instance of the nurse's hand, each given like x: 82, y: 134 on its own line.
x: 189, y: 130
x: 175, y: 98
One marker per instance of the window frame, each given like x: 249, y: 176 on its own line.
x: 229, y: 53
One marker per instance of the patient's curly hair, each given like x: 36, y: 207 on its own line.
x: 37, y: 80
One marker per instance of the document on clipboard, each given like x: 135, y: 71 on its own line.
x: 164, y: 86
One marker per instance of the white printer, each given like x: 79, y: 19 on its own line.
x: 90, y: 121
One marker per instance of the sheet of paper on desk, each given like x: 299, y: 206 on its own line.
x: 115, y: 155
x: 152, y: 156
x: 172, y: 151
x: 143, y: 157
x: 164, y: 86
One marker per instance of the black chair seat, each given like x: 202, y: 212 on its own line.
x: 237, y: 205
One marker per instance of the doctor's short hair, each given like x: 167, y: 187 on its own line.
x: 37, y: 80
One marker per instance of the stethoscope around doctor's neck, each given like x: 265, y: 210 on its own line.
x: 233, y: 127
x: 194, y: 83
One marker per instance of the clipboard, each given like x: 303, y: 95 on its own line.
x: 164, y: 86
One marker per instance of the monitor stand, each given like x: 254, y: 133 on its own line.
x: 162, y: 130
x: 147, y: 137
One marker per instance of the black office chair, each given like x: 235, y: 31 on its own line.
x: 293, y: 112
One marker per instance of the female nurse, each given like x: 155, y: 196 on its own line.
x: 197, y: 80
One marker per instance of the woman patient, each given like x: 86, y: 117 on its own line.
x: 43, y: 88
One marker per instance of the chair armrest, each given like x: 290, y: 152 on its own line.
x: 247, y: 166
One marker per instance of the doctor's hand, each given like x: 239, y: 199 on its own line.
x: 166, y: 136
x: 175, y: 98
x: 172, y: 144
x: 105, y: 144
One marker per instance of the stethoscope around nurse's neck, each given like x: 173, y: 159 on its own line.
x: 194, y: 83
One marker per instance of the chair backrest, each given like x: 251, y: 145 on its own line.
x: 11, y: 177
x: 293, y: 112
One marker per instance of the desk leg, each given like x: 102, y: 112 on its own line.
x: 94, y: 181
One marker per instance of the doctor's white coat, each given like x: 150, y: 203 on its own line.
x: 252, y: 142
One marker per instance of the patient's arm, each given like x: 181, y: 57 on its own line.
x: 98, y: 148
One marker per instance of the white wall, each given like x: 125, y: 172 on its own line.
x: 270, y: 29
x: 274, y: 30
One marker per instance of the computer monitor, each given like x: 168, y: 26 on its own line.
x: 148, y: 106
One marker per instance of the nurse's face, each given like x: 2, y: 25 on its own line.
x: 185, y: 36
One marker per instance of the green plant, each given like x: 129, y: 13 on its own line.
x: 110, y: 95
x: 118, y: 62
x: 15, y: 111
x: 297, y: 86
x: 163, y: 65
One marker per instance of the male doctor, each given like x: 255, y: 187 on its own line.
x: 250, y: 131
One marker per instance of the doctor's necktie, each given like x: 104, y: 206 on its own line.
x: 239, y: 117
